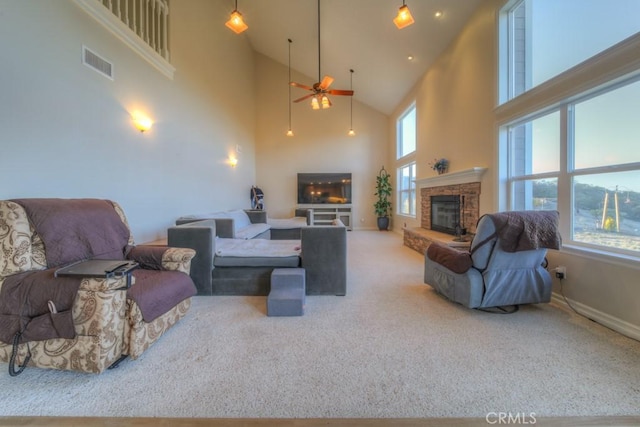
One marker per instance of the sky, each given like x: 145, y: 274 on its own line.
x: 565, y: 33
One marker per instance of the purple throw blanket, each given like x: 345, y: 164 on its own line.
x: 527, y: 230
x: 77, y: 229
x: 24, y: 306
x: 157, y: 292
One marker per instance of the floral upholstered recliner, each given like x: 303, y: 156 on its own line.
x: 82, y: 324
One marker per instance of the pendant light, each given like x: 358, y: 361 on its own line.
x: 351, y: 131
x: 404, y: 18
x: 235, y: 22
x: 289, y: 131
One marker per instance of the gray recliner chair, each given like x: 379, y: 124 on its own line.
x: 505, y: 265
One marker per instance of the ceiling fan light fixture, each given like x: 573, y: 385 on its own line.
x: 320, y: 90
x: 235, y: 22
x: 325, y: 102
x: 404, y: 18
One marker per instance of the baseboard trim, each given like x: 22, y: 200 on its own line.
x: 625, y: 328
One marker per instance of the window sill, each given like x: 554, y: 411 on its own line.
x: 623, y: 260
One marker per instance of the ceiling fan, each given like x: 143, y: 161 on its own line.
x: 320, y: 90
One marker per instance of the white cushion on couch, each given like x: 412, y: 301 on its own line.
x: 251, y: 230
x: 239, y: 217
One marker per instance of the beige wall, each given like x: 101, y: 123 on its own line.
x: 320, y: 143
x: 67, y: 132
x: 455, y: 102
x: 454, y: 109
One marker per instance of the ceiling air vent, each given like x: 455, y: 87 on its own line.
x: 98, y: 63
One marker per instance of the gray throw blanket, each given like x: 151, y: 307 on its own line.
x: 527, y: 230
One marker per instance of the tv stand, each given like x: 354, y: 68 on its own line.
x: 325, y: 214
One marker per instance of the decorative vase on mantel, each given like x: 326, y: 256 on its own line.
x: 440, y: 165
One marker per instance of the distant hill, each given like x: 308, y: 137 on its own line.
x: 590, y: 198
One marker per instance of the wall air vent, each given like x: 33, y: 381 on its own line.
x: 98, y: 63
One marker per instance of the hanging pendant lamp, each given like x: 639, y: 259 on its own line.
x: 235, y: 22
x: 351, y: 131
x: 289, y: 131
x: 404, y: 18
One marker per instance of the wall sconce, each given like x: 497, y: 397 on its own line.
x: 141, y: 122
x: 233, y: 161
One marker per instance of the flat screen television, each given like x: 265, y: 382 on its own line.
x: 319, y: 188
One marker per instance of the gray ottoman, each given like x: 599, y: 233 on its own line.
x: 287, y: 296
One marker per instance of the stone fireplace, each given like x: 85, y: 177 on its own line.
x: 469, y: 211
x: 463, y: 188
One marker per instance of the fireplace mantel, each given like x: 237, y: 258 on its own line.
x: 452, y: 178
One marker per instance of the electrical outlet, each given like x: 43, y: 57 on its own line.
x: 561, y: 272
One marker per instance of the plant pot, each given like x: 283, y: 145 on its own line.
x: 383, y: 223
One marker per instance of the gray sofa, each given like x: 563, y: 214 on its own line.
x: 321, y: 251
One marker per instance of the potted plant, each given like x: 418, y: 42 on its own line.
x: 440, y: 165
x: 383, y: 205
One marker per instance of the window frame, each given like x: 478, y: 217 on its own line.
x: 400, y: 133
x: 606, y: 71
x: 567, y: 172
x: 411, y: 190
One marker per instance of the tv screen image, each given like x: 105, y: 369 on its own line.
x: 324, y: 188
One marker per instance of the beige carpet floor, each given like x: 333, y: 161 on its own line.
x: 391, y: 348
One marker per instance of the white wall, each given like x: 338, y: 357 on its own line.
x: 320, y: 143
x: 67, y: 132
x: 455, y: 103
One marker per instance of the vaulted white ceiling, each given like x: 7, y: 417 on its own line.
x: 358, y: 35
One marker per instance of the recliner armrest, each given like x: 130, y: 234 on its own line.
x: 162, y: 257
x: 457, y: 261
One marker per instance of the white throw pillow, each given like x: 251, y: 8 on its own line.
x: 240, y: 218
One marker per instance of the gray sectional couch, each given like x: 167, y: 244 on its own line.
x: 224, y: 265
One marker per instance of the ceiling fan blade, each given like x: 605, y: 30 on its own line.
x: 326, y: 82
x: 305, y: 97
x: 301, y: 86
x: 340, y: 92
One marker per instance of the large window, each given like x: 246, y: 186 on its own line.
x: 548, y: 37
x: 406, y: 130
x: 573, y: 145
x: 407, y: 190
x: 406, y: 172
x: 598, y: 136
